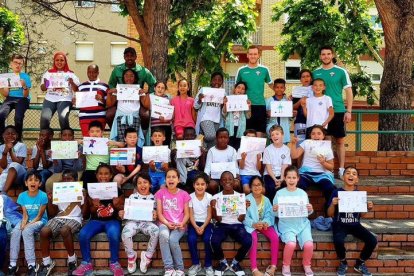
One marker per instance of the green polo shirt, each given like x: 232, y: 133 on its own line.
x: 255, y: 78
x: 144, y: 76
x: 336, y: 80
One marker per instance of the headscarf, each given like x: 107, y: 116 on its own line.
x: 65, y: 68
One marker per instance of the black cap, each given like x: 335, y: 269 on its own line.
x: 130, y: 50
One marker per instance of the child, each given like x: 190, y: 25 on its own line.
x: 228, y: 224
x: 59, y: 99
x: 66, y: 221
x: 297, y: 228
x: 279, y: 86
x: 260, y: 219
x: 160, y: 88
x: 184, y: 112
x: 59, y: 165
x: 173, y: 214
x: 104, y: 218
x: 276, y: 158
x: 132, y: 227
x: 209, y: 114
x: 200, y: 218
x: 127, y: 112
x: 317, y: 109
x: 17, y: 98
x: 33, y: 203
x: 189, y: 168
x: 92, y: 113
x: 250, y: 164
x: 317, y: 163
x: 12, y: 160
x: 127, y: 172
x: 42, y: 155
x: 11, y: 217
x: 157, y: 169
x: 221, y: 152
x: 299, y: 92
x: 350, y: 223
x: 236, y: 120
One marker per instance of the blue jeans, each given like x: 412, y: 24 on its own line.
x: 112, y: 228
x: 170, y: 248
x: 192, y: 243
x: 3, y: 244
x: 157, y: 179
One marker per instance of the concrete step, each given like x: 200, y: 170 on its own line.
x: 392, y: 253
x: 384, y: 185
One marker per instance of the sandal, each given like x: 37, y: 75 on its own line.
x: 257, y: 272
x: 270, y: 270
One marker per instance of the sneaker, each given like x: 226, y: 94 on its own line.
x: 308, y: 270
x: 362, y: 268
x: 179, y: 273
x: 342, y: 268
x: 144, y: 263
x: 132, y: 264
x: 237, y: 269
x: 194, y: 269
x: 83, y: 269
x: 286, y: 270
x: 46, y: 269
x: 209, y: 271
x: 341, y: 173
x: 71, y: 267
x: 169, y: 272
x: 116, y: 269
x: 32, y: 270
x: 12, y: 270
x: 222, y: 267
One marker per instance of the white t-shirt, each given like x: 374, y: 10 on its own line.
x: 215, y: 155
x: 60, y: 94
x: 318, y: 110
x: 19, y: 149
x: 200, y: 207
x: 250, y: 163
x: 75, y: 214
x: 48, y: 157
x: 227, y: 219
x: 277, y: 157
x: 128, y: 107
x: 311, y: 150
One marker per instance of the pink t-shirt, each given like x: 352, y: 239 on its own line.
x: 183, y: 111
x: 173, y: 204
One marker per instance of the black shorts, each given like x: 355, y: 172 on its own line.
x: 336, y: 127
x: 258, y: 119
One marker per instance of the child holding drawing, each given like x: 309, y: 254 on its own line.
x: 345, y: 223
x: 157, y: 170
x: 132, y: 227
x: 66, y: 221
x: 250, y: 164
x: 173, y: 215
x: 163, y: 123
x: 228, y: 223
x: 104, y: 218
x: 294, y: 228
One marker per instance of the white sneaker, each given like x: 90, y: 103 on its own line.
x: 144, y: 263
x: 194, y: 269
x: 179, y: 273
x: 209, y: 271
x: 132, y: 264
x: 169, y: 272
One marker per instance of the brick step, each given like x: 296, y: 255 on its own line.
x: 384, y: 185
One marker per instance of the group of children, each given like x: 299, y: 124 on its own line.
x: 185, y: 199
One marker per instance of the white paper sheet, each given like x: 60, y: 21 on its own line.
x: 127, y: 92
x: 158, y: 110
x: 252, y: 144
x: 352, y: 202
x: 94, y: 145
x: 188, y: 148
x: 237, y: 103
x: 317, y: 147
x: 231, y: 205
x: 122, y: 156
x: 64, y: 149
x: 292, y: 207
x: 138, y: 209
x: 58, y: 80
x: 10, y: 80
x: 86, y: 99
x: 213, y: 95
x: 103, y: 191
x: 155, y: 153
x: 281, y: 109
x: 67, y: 192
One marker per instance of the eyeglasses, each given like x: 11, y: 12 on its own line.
x: 18, y: 63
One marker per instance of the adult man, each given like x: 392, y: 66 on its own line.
x: 144, y: 77
x: 336, y: 80
x: 255, y: 76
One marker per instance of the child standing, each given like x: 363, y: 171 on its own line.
x: 317, y: 109
x: 132, y: 227
x: 33, y: 203
x: 260, y: 219
x: 276, y: 158
x: 17, y: 98
x: 157, y: 169
x: 297, y: 228
x: 236, y: 120
x: 250, y: 164
x: 184, y: 112
x: 279, y: 86
x: 200, y: 225
x: 66, y: 221
x: 42, y: 155
x: 173, y: 215
x: 104, y: 218
x: 350, y: 223
x: 160, y: 88
x: 228, y: 225
x: 209, y: 114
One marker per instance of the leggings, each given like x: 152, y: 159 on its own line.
x: 209, y: 128
x: 272, y: 236
x: 132, y: 228
x: 290, y: 248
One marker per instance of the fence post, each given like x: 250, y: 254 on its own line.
x: 358, y: 135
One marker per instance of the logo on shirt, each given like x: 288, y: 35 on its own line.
x: 170, y: 204
x: 283, y: 156
x: 258, y: 73
x: 320, y: 103
x: 332, y: 74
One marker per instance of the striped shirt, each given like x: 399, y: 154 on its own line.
x: 94, y: 112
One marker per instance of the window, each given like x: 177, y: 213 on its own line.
x: 373, y: 69
x: 84, y: 51
x: 229, y: 84
x: 376, y: 78
x: 117, y: 52
x: 115, y: 7
x: 292, y: 69
x: 85, y: 4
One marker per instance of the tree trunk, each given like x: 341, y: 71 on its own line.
x: 397, y: 17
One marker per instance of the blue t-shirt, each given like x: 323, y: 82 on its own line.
x: 33, y: 204
x: 18, y: 91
